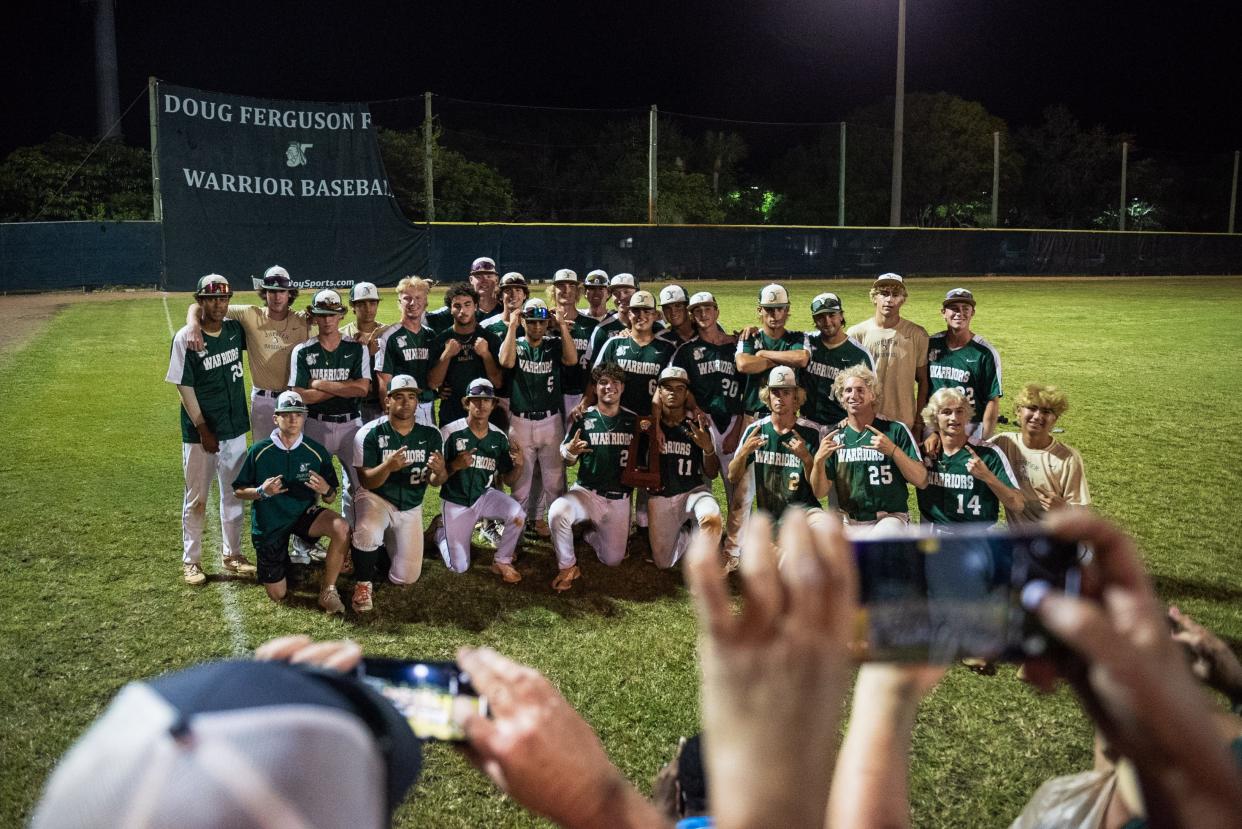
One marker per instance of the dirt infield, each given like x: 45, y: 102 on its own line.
x: 25, y: 314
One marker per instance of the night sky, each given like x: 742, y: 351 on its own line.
x: 1167, y: 72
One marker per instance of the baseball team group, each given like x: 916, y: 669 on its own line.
x: 651, y: 399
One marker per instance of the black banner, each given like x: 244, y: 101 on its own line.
x: 247, y: 183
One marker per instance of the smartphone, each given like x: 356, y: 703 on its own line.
x: 938, y: 598
x: 434, y: 697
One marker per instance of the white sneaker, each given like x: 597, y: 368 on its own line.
x: 363, y: 597
x: 330, y: 601
x: 193, y: 574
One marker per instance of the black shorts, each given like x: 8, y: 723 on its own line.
x: 273, y: 549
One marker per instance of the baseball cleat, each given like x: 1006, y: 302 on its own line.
x: 238, y: 565
x: 193, y: 574
x: 565, y: 579
x: 507, y: 572
x: 363, y: 593
x: 330, y: 601
x: 542, y: 529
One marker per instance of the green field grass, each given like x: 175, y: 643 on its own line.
x: 90, y: 541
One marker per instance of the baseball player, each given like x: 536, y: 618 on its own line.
x: 759, y: 350
x: 364, y: 300
x: 565, y: 288
x: 463, y: 354
x: 899, y: 349
x: 534, y: 363
x: 707, y: 360
x: 684, y: 502
x: 1050, y: 474
x: 475, y: 451
x: 272, y: 331
x: 621, y: 287
x: 596, y: 286
x: 405, y: 348
x: 869, y: 460
x: 641, y: 356
x: 286, y: 473
x: 674, y: 305
x: 778, y: 449
x: 332, y: 375
x: 968, y: 481
x: 483, y: 279
x: 599, y: 442
x: 961, y: 359
x: 213, y: 426
x: 513, y: 295
x: 831, y: 350
x: 397, y: 459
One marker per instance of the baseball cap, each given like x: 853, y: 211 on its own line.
x: 702, y: 298
x: 773, y: 296
x: 402, y: 382
x: 276, y: 278
x: 958, y: 295
x: 513, y: 279
x: 535, y: 309
x: 484, y: 264
x: 675, y: 373
x: 327, y: 302
x: 597, y: 279
x: 290, y: 401
x: 888, y: 278
x: 825, y: 303
x: 213, y: 284
x: 642, y: 299
x: 672, y: 293
x: 565, y: 275
x: 316, y: 749
x: 363, y: 291
x: 623, y: 280
x: 481, y: 388
x: 782, y: 377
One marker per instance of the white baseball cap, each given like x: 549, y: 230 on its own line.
x: 782, y: 377
x: 958, y: 295
x: 363, y: 291
x: 565, y: 275
x: 484, y: 264
x: 513, y: 279
x: 623, y: 280
x: 825, y: 303
x: 672, y: 293
x: 290, y: 401
x: 702, y: 298
x: 481, y: 388
x: 535, y: 309
x: 276, y: 270
x: 402, y: 382
x: 675, y: 373
x: 773, y: 296
x: 888, y: 278
x: 327, y: 302
x: 642, y: 299
x: 597, y: 279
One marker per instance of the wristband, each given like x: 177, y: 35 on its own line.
x: 263, y: 494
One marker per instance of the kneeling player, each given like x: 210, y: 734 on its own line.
x: 474, y: 451
x: 285, y: 474
x: 399, y: 458
x: 599, y: 441
x: 687, y: 463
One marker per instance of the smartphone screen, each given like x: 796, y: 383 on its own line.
x: 434, y: 697
x: 939, y: 598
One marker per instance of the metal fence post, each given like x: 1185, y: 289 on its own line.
x: 1233, y: 191
x: 429, y: 191
x: 1125, y: 155
x: 995, y: 178
x: 157, y: 204
x: 899, y: 117
x: 841, y: 180
x: 652, y: 178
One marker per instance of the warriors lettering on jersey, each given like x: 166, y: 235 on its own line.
x: 534, y: 367
x: 957, y: 375
x: 221, y: 359
x: 777, y: 458
x: 855, y: 454
x: 411, y: 455
x: 327, y: 373
x: 637, y: 367
x: 608, y: 438
x: 677, y: 448
x: 821, y: 370
x: 951, y: 480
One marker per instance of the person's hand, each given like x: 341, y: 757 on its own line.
x: 752, y: 443
x: 578, y: 445
x: 446, y: 391
x: 976, y: 467
x: 451, y: 349
x: 747, y: 332
x: 480, y: 347
x: 1050, y: 501
x: 540, y: 752
x: 578, y: 411
x: 798, y: 447
x: 1133, y: 681
x: 515, y: 453
x: 827, y: 446
x: 701, y: 437
x: 397, y: 460
x: 774, y: 676
x: 881, y: 442
x: 1211, y: 660
x: 435, y: 464
x: 318, y: 483
x: 562, y: 319
x: 931, y: 447
x: 274, y: 485
x: 194, y: 335
x: 338, y: 655
x: 208, y: 438
x: 461, y: 460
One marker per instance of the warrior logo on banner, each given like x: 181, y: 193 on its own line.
x: 295, y: 156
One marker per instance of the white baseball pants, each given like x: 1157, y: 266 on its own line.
x: 740, y: 508
x: 338, y: 439
x: 571, y: 402
x: 200, y: 466
x: 453, y: 535
x: 540, y: 441
x: 674, y: 520
x: 886, y: 522
x: 262, y: 409
x: 610, y: 530
x: 379, y: 522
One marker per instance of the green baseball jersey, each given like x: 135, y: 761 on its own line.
x: 574, y: 378
x: 681, y: 462
x: 817, y: 378
x: 974, y: 369
x: 269, y: 458
x: 789, y: 341
x: 535, y: 379
x: 779, y: 478
x: 866, y: 480
x: 642, y: 365
x: 955, y: 496
x: 215, y: 374
x: 402, y: 351
x: 491, y: 455
x: 497, y: 327
x: 609, y: 437
x: 715, y: 381
x: 604, y: 330
x: 348, y: 361
x: 464, y: 368
x: 378, y: 441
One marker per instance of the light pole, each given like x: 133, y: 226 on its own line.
x: 899, y: 115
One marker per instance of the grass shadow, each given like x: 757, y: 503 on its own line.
x: 1172, y: 589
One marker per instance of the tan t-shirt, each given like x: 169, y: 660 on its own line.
x: 1058, y: 470
x: 898, y: 353
x: 269, y: 343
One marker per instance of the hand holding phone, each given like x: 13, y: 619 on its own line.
x: 434, y: 697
